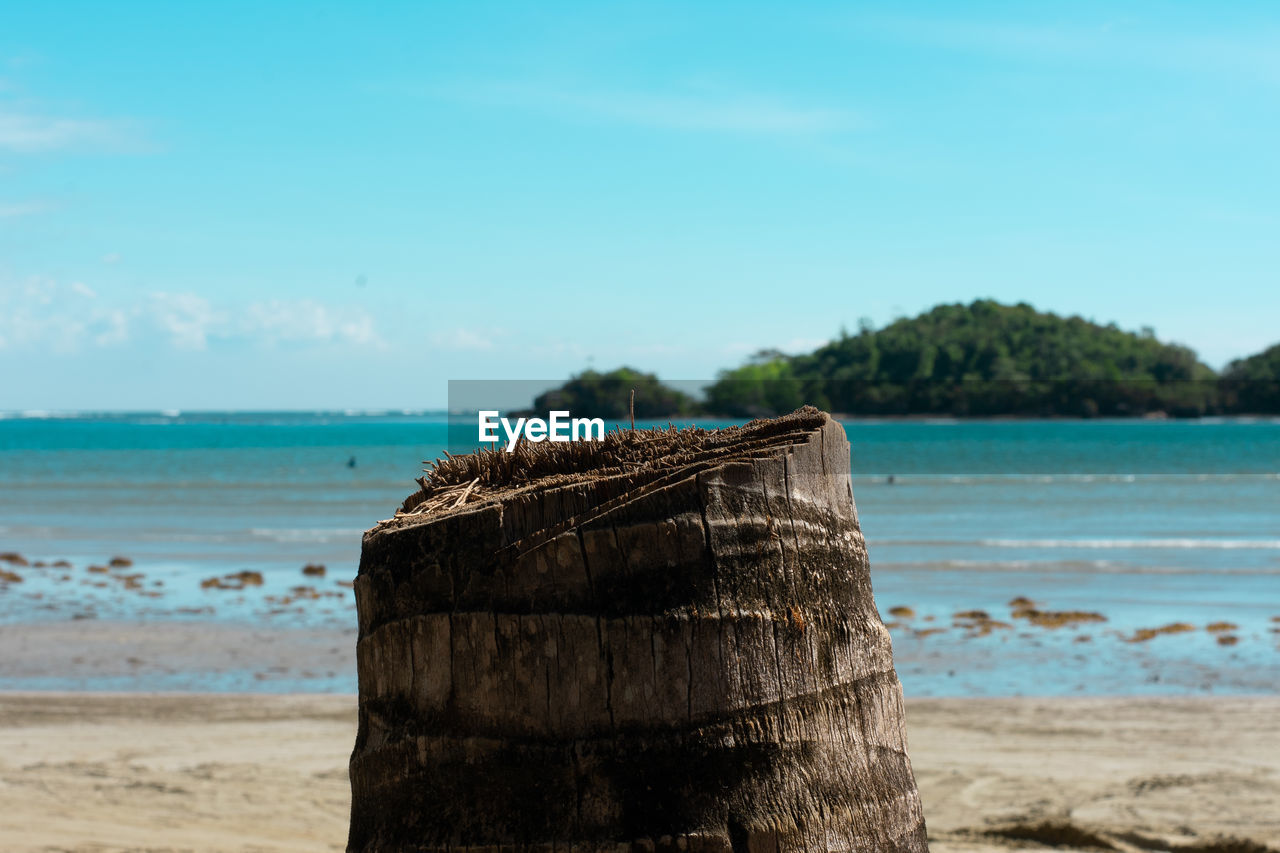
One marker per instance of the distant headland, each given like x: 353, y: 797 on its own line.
x: 984, y: 359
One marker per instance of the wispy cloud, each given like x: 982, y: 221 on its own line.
x: 187, y: 318
x: 191, y: 321
x: 995, y: 37
x: 30, y: 124
x: 696, y: 110
x: 283, y: 321
x: 41, y: 312
x: 15, y: 209
x: 27, y: 132
x: 69, y: 317
x: 1252, y: 55
x: 463, y: 339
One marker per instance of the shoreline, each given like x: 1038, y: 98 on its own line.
x: 222, y: 772
x: 942, y: 656
x: 443, y: 415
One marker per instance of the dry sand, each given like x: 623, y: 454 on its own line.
x: 1134, y: 774
x: 100, y: 772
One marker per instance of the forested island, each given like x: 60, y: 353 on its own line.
x: 984, y: 359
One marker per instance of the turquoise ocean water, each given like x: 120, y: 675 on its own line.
x: 1144, y: 522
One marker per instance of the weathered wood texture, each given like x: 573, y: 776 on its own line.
x: 691, y: 659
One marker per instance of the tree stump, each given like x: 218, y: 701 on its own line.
x: 663, y: 641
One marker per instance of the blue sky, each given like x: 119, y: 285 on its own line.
x: 287, y: 205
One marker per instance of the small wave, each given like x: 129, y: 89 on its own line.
x: 998, y: 565
x: 171, y: 536
x: 305, y: 534
x: 42, y: 415
x: 1087, y: 567
x: 1214, y: 544
x: 1184, y: 543
x: 1036, y: 479
x: 1005, y: 565
x: 34, y: 531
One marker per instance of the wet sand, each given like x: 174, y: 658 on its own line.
x: 202, y: 772
x: 204, y: 657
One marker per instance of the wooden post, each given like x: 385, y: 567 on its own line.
x: 678, y: 655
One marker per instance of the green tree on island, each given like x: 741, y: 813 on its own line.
x: 979, y: 359
x: 766, y: 385
x: 983, y: 359
x: 1252, y: 385
x: 591, y: 394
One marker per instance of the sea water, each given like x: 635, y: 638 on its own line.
x: 1146, y: 523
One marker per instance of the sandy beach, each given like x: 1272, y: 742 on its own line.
x: 206, y: 772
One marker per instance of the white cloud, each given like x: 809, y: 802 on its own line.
x: 191, y: 322
x: 186, y: 318
x: 12, y: 210
x: 462, y: 339
x: 29, y: 133
x: 111, y: 258
x: 278, y: 320
x: 112, y: 328
x: 42, y: 312
x: 1253, y: 55
x: 560, y: 348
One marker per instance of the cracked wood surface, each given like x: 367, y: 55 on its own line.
x: 686, y: 660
